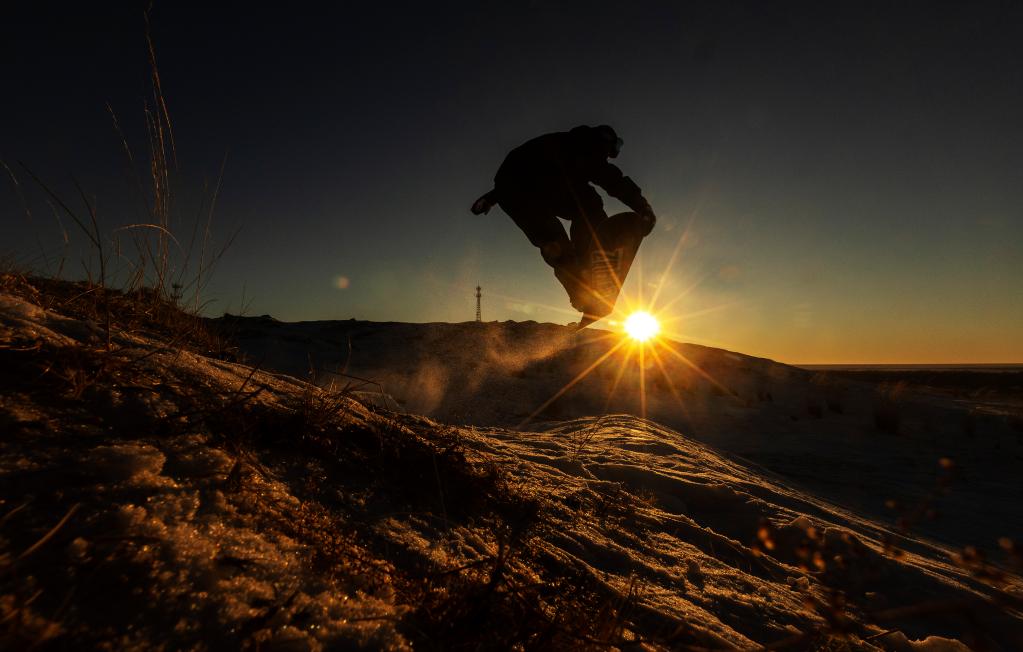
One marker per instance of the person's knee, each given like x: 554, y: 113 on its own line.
x: 556, y: 253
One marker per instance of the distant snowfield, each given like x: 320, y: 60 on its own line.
x: 701, y: 547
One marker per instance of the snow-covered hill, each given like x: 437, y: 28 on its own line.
x: 880, y: 452
x: 155, y: 496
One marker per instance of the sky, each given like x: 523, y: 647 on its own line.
x: 848, y: 176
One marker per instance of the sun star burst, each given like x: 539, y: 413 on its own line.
x: 641, y: 326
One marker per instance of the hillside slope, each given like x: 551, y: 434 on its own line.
x: 153, y: 495
x: 874, y: 450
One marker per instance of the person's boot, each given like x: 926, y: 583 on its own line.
x: 560, y: 255
x: 569, y: 277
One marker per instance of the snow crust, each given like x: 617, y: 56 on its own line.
x: 898, y: 641
x: 700, y: 540
x: 192, y: 549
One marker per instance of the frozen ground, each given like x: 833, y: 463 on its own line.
x: 153, y: 496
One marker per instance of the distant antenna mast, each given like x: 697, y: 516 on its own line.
x: 479, y: 295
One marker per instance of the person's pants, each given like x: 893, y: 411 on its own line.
x: 537, y: 214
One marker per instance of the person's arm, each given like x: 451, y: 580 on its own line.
x: 624, y: 189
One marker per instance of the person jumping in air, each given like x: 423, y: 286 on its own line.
x: 548, y: 178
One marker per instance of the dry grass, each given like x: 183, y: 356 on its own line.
x: 140, y: 271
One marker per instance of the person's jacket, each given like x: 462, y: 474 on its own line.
x: 557, y: 163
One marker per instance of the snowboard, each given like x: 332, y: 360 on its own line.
x: 605, y: 267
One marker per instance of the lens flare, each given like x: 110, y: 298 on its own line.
x: 641, y: 326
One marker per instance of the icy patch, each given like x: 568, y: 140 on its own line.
x: 898, y: 642
x: 135, y: 465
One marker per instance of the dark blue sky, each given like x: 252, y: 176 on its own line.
x: 851, y: 175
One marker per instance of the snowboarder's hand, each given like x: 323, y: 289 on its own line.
x: 648, y: 219
x: 480, y: 207
x: 483, y: 205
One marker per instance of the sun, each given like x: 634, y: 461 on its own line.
x: 641, y: 326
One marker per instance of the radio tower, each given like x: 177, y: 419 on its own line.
x: 479, y: 295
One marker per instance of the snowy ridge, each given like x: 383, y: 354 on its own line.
x: 693, y: 515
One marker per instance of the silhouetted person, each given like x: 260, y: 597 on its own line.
x: 548, y: 178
